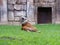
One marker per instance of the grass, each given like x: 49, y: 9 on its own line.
x: 13, y: 35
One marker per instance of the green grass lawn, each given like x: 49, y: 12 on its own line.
x: 13, y: 35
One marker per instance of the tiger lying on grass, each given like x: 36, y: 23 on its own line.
x: 27, y: 26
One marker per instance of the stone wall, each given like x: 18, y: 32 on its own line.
x: 58, y: 11
x: 46, y: 3
x: 30, y: 11
x: 3, y: 12
x: 16, y: 8
x: 55, y: 4
x: 13, y: 9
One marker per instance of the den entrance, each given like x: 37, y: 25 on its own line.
x: 44, y: 15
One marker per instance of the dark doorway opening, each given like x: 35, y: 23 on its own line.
x: 44, y: 15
